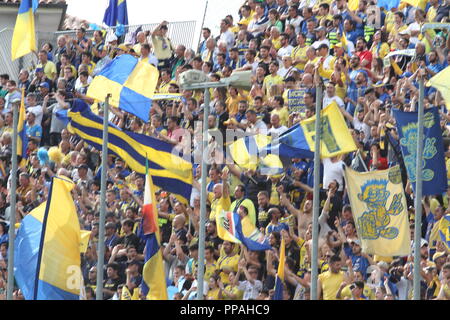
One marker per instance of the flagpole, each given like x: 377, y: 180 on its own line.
x: 203, y: 199
x: 12, y: 206
x: 101, y: 225
x: 316, y: 195
x: 203, y: 23
x: 418, y: 195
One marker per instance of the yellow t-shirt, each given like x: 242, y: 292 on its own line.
x: 218, y: 205
x: 234, y: 290
x: 299, y: 53
x: 49, y: 69
x: 227, y: 263
x: 233, y: 104
x: 382, y: 52
x: 162, y: 47
x: 270, y: 81
x: 276, y: 43
x: 283, y: 113
x: 213, y: 294
x: 210, y: 269
x: 330, y: 284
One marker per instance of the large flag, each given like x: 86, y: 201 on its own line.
x: 154, y: 281
x: 116, y: 13
x: 231, y: 228
x: 279, y: 281
x: 433, y: 178
x: 380, y: 212
x: 130, y: 82
x: 415, y: 3
x: 169, y: 171
x: 47, y: 248
x: 440, y: 81
x: 353, y: 5
x: 246, y: 151
x: 298, y: 141
x: 24, y: 36
x: 22, y: 141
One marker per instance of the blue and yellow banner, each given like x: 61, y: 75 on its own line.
x: 169, y: 171
x: 295, y: 100
x: 433, y: 180
x: 230, y: 227
x: 379, y: 211
x: 130, y: 82
x: 47, y: 248
x: 24, y: 36
x: 298, y: 141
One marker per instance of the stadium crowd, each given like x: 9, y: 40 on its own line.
x: 297, y: 44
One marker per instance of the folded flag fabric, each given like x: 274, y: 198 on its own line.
x: 130, y: 82
x: 380, y: 212
x: 440, y: 81
x: 298, y: 141
x: 116, y: 13
x: 433, y: 181
x: 169, y: 171
x: 279, y: 281
x: 246, y: 151
x: 22, y: 141
x: 230, y: 228
x: 47, y: 248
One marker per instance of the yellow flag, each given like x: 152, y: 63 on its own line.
x: 335, y: 138
x: 84, y: 240
x: 441, y: 82
x: 380, y: 213
x: 353, y: 5
x: 415, y: 3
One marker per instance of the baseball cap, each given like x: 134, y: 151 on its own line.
x: 44, y: 85
x: 378, y: 84
x: 83, y: 166
x: 438, y: 255
x: 338, y: 45
x: 122, y: 47
x: 229, y: 121
x: 423, y: 242
x: 39, y: 70
x: 110, y: 225
x: 356, y: 241
x: 292, y: 79
x: 243, y: 21
x: 320, y: 29
x: 405, y: 32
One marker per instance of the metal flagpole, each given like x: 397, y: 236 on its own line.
x: 418, y: 195
x: 203, y: 23
x: 316, y: 195
x: 101, y: 231
x: 203, y: 199
x: 12, y: 206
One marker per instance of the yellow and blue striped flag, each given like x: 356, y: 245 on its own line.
x: 24, y: 36
x: 380, y: 212
x: 47, y: 248
x: 130, y: 82
x: 169, y: 171
x: 245, y: 151
x: 22, y: 141
x: 116, y: 13
x: 279, y: 281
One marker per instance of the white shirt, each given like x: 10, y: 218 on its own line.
x: 284, y: 51
x: 251, y: 291
x: 277, y: 131
x: 295, y: 22
x: 333, y: 171
x: 257, y: 128
x: 327, y: 100
x: 361, y: 126
x: 413, y: 27
x: 228, y: 37
x: 38, y: 112
x: 317, y: 43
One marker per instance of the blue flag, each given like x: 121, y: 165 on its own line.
x: 433, y: 174
x: 116, y: 13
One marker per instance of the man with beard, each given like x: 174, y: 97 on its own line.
x: 444, y: 293
x: 304, y: 217
x: 365, y: 56
x: 330, y: 281
x: 264, y: 59
x: 228, y: 261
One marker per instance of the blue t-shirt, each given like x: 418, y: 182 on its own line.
x: 34, y: 131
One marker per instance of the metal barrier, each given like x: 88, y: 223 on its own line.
x: 179, y: 33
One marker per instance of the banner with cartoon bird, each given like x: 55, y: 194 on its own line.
x: 379, y: 210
